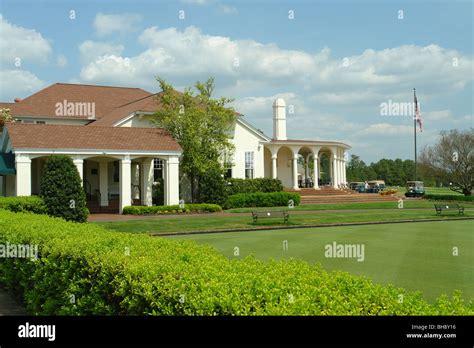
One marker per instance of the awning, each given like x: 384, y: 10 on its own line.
x: 7, y: 164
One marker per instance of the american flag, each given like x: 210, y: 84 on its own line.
x: 418, y: 118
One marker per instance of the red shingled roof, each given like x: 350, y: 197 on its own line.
x: 112, y: 104
x: 44, y: 136
x: 106, y: 99
x: 147, y: 104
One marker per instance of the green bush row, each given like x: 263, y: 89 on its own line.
x: 236, y: 186
x: 171, y: 209
x: 33, y: 204
x: 84, y: 269
x: 444, y: 197
x: 260, y: 199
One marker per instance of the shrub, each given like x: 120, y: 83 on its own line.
x: 61, y: 189
x: 161, y: 276
x: 388, y: 192
x: 171, y: 209
x: 445, y: 197
x: 33, y: 204
x: 212, y: 187
x: 260, y: 199
x: 236, y: 186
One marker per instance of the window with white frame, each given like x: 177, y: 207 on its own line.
x: 157, y: 169
x: 227, y: 170
x: 249, y: 165
x: 227, y: 161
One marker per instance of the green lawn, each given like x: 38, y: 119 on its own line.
x: 416, y: 256
x: 228, y: 221
x: 440, y: 191
x: 407, y: 204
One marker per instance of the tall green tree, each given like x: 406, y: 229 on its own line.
x: 356, y: 169
x: 452, y: 159
x: 200, y: 124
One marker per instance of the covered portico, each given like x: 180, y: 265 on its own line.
x: 290, y: 160
x: 112, y: 162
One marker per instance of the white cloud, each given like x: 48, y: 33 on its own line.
x: 18, y: 83
x: 192, y: 54
x: 370, y: 76
x: 226, y: 9
x: 198, y: 2
x: 437, y: 115
x: 92, y: 50
x: 25, y: 44
x: 384, y: 129
x: 61, y: 60
x: 261, y: 105
x: 106, y: 24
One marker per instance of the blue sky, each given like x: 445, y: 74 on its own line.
x: 335, y: 62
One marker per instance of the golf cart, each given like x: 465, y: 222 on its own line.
x: 376, y: 186
x: 355, y: 184
x: 415, y: 189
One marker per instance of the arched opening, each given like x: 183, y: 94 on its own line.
x: 305, y: 167
x: 325, y: 167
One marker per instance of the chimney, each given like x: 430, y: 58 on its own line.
x: 17, y: 100
x: 279, y: 119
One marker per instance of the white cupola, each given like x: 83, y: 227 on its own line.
x: 279, y: 119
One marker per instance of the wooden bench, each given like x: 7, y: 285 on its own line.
x: 440, y: 207
x: 270, y: 214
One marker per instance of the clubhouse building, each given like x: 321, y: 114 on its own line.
x: 119, y: 153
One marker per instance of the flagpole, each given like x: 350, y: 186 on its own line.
x: 414, y: 126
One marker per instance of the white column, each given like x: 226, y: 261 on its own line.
x: 316, y: 173
x: 104, y: 183
x: 334, y: 171
x: 274, y: 166
x: 339, y: 170
x: 338, y: 167
x: 295, y: 172
x: 344, y: 179
x: 125, y: 183
x: 79, y: 163
x: 172, y: 181
x: 147, y: 182
x: 23, y: 175
x: 341, y: 174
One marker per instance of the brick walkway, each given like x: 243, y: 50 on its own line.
x: 8, y: 306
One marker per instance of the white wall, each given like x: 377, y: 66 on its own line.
x: 244, y: 140
x: 285, y: 166
x: 138, y: 122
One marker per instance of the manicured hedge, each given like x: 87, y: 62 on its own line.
x: 33, y: 204
x: 171, y: 209
x: 436, y: 197
x: 236, y: 186
x: 259, y: 199
x: 84, y: 269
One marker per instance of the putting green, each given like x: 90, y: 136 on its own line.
x: 432, y: 257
